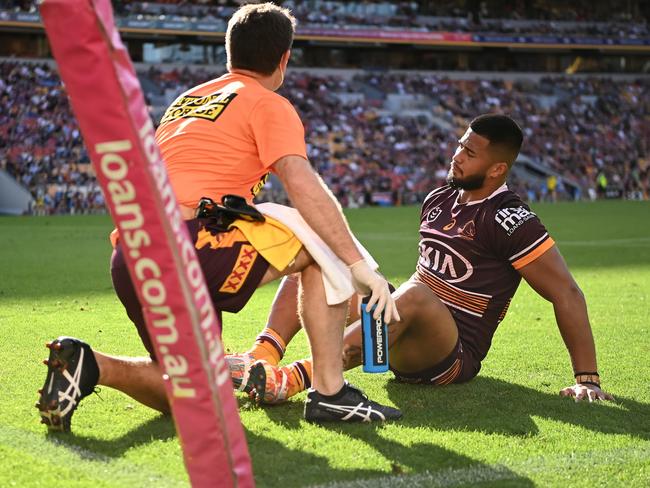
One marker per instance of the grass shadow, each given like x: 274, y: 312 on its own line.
x: 269, y: 454
x: 495, y: 406
x: 433, y: 465
x: 159, y: 428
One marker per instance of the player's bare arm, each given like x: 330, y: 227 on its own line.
x: 311, y: 197
x: 549, y: 276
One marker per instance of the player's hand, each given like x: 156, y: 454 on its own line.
x: 369, y: 282
x: 585, y: 392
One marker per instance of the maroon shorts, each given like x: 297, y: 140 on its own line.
x: 459, y: 367
x: 231, y: 266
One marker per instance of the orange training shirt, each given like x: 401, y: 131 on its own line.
x: 222, y: 137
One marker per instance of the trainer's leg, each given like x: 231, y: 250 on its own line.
x: 140, y: 378
x: 283, y: 321
x: 426, y: 335
x: 323, y: 323
x: 324, y: 326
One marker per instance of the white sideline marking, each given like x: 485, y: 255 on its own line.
x: 489, y: 473
x: 75, y: 459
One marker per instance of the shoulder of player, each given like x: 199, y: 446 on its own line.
x: 507, y: 199
x: 507, y: 211
x: 499, y: 206
x: 445, y: 190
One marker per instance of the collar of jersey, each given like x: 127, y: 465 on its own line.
x: 501, y: 189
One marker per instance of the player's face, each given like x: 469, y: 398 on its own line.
x: 470, y: 162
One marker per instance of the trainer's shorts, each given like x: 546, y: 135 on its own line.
x: 232, y: 266
x: 458, y: 367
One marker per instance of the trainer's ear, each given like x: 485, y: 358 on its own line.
x: 284, y: 60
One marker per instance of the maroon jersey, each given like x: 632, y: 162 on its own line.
x: 470, y: 254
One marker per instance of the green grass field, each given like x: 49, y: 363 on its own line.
x: 508, y: 427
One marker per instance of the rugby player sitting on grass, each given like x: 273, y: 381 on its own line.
x: 477, y: 240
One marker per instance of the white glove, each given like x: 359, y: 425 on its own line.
x: 369, y: 282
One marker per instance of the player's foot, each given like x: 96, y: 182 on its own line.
x: 348, y: 405
x: 269, y: 384
x: 240, y: 365
x: 72, y: 374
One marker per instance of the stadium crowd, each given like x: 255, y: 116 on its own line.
x: 548, y: 17
x: 593, y: 134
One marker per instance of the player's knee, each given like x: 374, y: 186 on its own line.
x: 415, y: 299
x: 410, y: 300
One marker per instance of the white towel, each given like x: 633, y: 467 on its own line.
x: 336, y: 275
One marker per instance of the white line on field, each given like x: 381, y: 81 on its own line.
x: 114, y: 471
x: 472, y: 475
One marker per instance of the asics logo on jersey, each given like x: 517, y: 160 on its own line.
x: 440, y: 258
x: 512, y: 218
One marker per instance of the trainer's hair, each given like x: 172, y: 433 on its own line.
x: 504, y: 134
x: 257, y: 37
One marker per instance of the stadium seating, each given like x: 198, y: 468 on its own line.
x: 583, y: 17
x: 377, y: 138
x: 488, y: 17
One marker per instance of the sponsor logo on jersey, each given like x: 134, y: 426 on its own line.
x: 438, y: 257
x: 209, y: 107
x: 468, y: 231
x: 512, y: 218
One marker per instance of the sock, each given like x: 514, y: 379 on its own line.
x: 300, y: 373
x: 336, y: 396
x: 268, y: 346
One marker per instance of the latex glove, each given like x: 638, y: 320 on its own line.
x: 369, y: 282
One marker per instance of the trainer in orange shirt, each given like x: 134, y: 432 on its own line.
x: 224, y: 137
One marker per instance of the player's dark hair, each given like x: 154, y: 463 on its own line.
x: 503, y: 133
x: 257, y: 37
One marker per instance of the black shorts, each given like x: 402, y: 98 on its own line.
x: 459, y: 367
x: 231, y: 266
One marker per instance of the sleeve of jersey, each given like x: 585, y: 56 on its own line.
x: 278, y: 130
x: 521, y: 236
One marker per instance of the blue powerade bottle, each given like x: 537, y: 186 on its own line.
x: 374, y: 337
